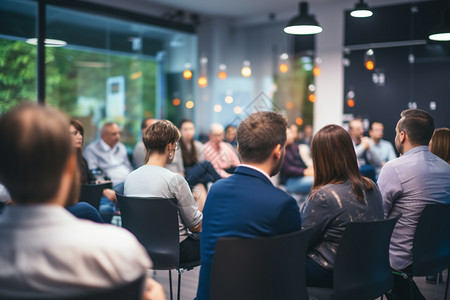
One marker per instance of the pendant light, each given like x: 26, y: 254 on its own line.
x: 361, y: 10
x: 441, y: 32
x: 304, y: 23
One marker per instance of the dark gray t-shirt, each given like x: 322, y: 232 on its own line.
x: 327, y: 213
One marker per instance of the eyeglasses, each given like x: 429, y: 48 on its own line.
x: 75, y: 133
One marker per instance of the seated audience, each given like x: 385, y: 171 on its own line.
x: 407, y: 184
x: 45, y: 252
x: 294, y: 174
x: 221, y: 155
x: 368, y: 161
x: 247, y: 204
x: 190, y: 161
x: 230, y: 135
x: 307, y: 135
x: 304, y: 146
x: 340, y: 195
x: 83, y: 209
x: 154, y: 180
x: 108, y: 158
x: 440, y: 143
x: 139, y: 150
x: 382, y: 148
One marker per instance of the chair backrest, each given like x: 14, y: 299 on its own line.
x: 260, y: 268
x: 92, y: 193
x: 154, y: 221
x: 431, y: 245
x: 362, y: 269
x: 132, y: 290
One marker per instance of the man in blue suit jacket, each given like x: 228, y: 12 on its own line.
x: 247, y: 204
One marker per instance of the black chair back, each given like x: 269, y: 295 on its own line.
x: 132, y: 290
x: 154, y: 221
x: 260, y: 268
x: 92, y: 193
x: 362, y: 269
x: 431, y: 246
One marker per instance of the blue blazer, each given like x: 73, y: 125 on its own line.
x: 245, y: 204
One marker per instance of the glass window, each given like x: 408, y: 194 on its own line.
x: 110, y: 70
x: 17, y: 58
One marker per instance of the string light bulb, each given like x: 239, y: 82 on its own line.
x: 222, y: 72
x: 246, y: 71
x: 369, y: 60
x: 187, y: 73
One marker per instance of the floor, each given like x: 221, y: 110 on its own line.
x: 189, y: 281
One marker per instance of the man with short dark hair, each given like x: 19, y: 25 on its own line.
x: 247, y: 204
x: 44, y: 250
x: 407, y: 184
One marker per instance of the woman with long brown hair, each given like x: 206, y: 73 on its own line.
x: 340, y: 194
x: 440, y: 143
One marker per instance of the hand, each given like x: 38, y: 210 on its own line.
x: 365, y: 142
x: 110, y: 194
x: 309, y: 171
x: 154, y: 291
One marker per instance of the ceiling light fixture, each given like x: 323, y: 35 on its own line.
x: 304, y: 23
x: 361, y: 10
x: 441, y: 32
x: 47, y: 42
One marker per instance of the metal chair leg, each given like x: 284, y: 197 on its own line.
x: 179, y: 284
x: 436, y: 288
x: 446, y: 286
x: 170, y: 283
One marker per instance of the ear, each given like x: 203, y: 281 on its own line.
x: 402, y: 137
x: 277, y: 151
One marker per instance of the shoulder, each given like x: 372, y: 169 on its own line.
x: 93, y: 145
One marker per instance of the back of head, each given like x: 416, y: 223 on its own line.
x: 259, y: 134
x: 418, y: 125
x: 159, y: 135
x: 334, y: 159
x: 440, y: 143
x: 35, y: 148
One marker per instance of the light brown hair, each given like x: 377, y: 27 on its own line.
x: 35, y: 146
x: 334, y: 160
x: 259, y: 134
x: 159, y: 135
x: 440, y: 143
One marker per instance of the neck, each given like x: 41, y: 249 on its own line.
x: 264, y: 166
x: 376, y: 141
x: 157, y: 159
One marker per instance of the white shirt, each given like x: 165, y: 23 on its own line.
x: 46, y: 251
x: 112, y: 161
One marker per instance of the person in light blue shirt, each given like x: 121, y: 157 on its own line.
x: 382, y: 148
x: 407, y: 184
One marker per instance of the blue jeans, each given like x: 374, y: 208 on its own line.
x: 202, y: 172
x: 300, y: 185
x: 84, y: 210
x: 107, y: 207
x: 316, y: 275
